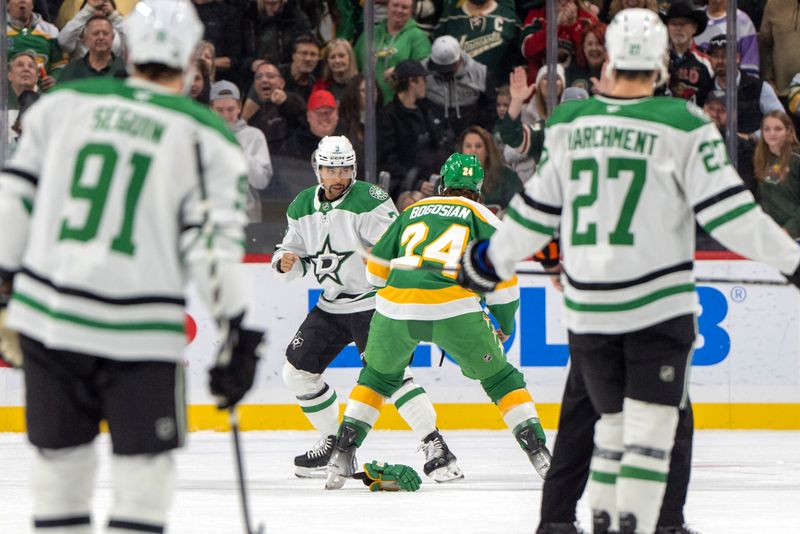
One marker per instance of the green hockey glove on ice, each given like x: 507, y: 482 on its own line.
x: 381, y: 476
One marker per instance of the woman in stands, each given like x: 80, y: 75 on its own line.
x: 777, y: 170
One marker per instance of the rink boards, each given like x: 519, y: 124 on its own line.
x: 745, y: 373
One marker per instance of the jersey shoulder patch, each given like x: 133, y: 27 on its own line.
x: 363, y: 198
x: 378, y: 193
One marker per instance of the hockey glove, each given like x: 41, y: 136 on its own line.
x: 229, y: 383
x: 550, y: 255
x: 10, y: 350
x: 381, y: 476
x: 476, y: 273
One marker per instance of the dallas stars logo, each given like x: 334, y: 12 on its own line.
x: 327, y: 262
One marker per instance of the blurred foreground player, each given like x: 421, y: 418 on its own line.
x: 626, y: 175
x: 119, y: 193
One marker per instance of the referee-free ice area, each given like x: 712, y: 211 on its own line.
x: 742, y: 482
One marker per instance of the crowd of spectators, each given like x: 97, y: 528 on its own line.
x: 295, y: 69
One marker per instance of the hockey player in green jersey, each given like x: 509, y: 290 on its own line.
x: 626, y: 175
x: 428, y: 305
x: 327, y: 224
x: 119, y: 194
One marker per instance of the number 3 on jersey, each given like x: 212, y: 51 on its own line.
x: 105, y: 158
x: 621, y: 235
x: 445, y: 249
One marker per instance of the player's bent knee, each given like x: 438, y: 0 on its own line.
x: 62, y: 482
x: 500, y: 384
x: 301, y: 383
x: 144, y: 485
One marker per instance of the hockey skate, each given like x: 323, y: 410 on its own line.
x: 314, y: 462
x: 342, y: 464
x: 440, y: 463
x: 535, y: 448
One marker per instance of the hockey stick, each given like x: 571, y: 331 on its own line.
x: 403, y: 265
x: 223, y: 335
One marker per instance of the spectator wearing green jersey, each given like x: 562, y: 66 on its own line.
x: 777, y: 167
x: 489, y: 32
x: 395, y: 39
x: 500, y: 182
x: 26, y: 30
x: 98, y: 37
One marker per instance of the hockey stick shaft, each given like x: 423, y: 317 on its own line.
x: 223, y: 334
x: 403, y: 265
x: 237, y: 451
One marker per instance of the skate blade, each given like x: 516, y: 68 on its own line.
x: 310, y: 472
x: 448, y: 473
x: 334, y: 481
x: 541, y: 463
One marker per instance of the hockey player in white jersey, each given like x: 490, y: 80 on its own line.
x: 119, y: 193
x: 626, y: 175
x: 327, y: 224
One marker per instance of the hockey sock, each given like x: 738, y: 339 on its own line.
x: 63, y: 480
x: 363, y: 410
x: 505, y: 381
x: 414, y: 406
x: 144, y: 485
x: 519, y: 412
x: 316, y: 398
x: 648, y: 439
x: 604, y: 468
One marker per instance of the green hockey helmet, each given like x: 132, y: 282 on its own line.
x: 462, y: 171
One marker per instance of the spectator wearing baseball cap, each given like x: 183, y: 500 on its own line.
x: 690, y: 72
x: 715, y: 106
x: 225, y: 100
x: 461, y: 89
x: 754, y: 96
x: 322, y: 116
x: 412, y: 140
x: 489, y: 32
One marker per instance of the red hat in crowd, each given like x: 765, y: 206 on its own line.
x: 321, y: 99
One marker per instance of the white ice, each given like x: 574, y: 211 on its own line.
x: 742, y: 482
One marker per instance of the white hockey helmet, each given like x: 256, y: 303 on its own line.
x: 334, y: 151
x: 637, y: 40
x: 165, y: 32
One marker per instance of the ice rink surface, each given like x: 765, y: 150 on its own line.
x: 742, y: 482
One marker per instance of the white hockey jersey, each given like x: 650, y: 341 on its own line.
x: 626, y: 180
x: 326, y: 235
x: 103, y: 212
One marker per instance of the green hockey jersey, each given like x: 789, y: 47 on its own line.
x: 434, y: 232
